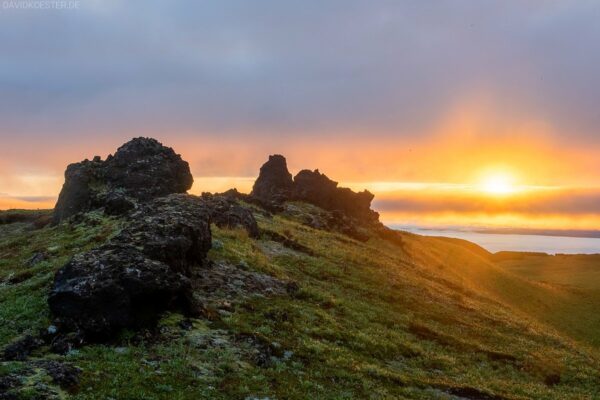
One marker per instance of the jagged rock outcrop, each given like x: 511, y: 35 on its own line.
x: 274, y: 183
x: 143, y: 271
x: 159, y: 258
x: 316, y: 188
x: 140, y: 170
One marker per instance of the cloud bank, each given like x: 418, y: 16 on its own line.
x: 381, y: 90
x: 282, y: 68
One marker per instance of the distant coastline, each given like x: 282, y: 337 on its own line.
x: 550, y: 241
x: 570, y: 233
x: 592, y: 234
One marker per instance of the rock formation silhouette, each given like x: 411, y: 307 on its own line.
x: 142, y: 169
x: 158, y: 261
x: 275, y: 185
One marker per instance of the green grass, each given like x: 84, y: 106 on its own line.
x: 572, y: 271
x: 568, y: 291
x: 369, y: 321
x: 23, y: 307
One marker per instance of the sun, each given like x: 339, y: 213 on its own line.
x: 498, y: 184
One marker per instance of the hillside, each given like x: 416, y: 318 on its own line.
x: 307, y: 303
x: 568, y: 290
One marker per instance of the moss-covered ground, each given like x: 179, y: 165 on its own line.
x: 431, y: 319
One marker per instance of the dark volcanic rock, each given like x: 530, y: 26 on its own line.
x: 61, y: 343
x: 316, y: 188
x: 174, y: 229
x: 287, y: 242
x: 118, y: 203
x: 274, y: 186
x: 146, y: 169
x: 221, y: 281
x: 337, y: 220
x: 332, y: 221
x: 78, y: 191
x: 20, y: 349
x: 63, y: 374
x: 274, y: 183
x: 141, y: 169
x: 226, y: 212
x: 142, y: 272
x: 28, y: 383
x: 7, y: 383
x: 113, y: 287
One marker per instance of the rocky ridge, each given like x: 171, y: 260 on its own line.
x: 274, y: 186
x: 159, y: 257
x: 340, y: 209
x: 295, y: 300
x: 158, y: 261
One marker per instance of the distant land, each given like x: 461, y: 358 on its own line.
x: 595, y: 234
x: 576, y: 233
x: 517, y: 239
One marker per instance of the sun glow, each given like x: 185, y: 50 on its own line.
x: 498, y: 184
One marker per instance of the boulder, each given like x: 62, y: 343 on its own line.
x: 174, y: 229
x: 226, y: 212
x: 142, y: 169
x: 140, y: 273
x: 274, y: 183
x: 111, y: 288
x: 145, y: 169
x: 20, y: 349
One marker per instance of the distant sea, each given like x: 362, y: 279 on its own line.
x: 495, y: 240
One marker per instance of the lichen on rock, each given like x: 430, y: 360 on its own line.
x: 140, y: 273
x: 140, y: 170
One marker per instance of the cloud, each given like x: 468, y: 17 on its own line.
x: 26, y: 202
x: 389, y: 67
x: 35, y: 199
x: 389, y: 90
x: 568, y: 202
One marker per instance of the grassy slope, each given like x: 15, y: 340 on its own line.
x: 573, y: 282
x: 574, y: 271
x: 371, y: 320
x: 23, y: 289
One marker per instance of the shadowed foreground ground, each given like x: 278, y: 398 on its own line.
x: 432, y: 318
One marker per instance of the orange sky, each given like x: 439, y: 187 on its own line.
x: 424, y: 105
x: 436, y: 181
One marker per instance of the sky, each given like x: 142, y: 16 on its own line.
x: 427, y: 104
